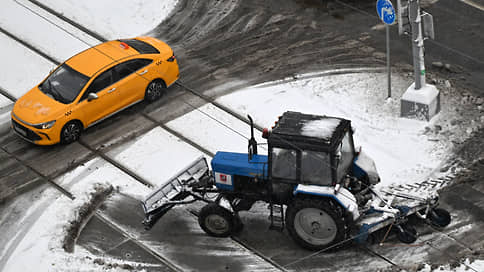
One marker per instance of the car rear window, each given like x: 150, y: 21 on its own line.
x: 141, y: 47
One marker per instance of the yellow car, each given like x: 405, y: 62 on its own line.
x: 92, y: 86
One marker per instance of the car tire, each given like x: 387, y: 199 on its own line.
x: 155, y: 90
x: 71, y: 132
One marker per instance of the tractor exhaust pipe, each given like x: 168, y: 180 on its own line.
x: 252, y: 142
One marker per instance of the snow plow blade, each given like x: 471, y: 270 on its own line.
x: 174, y: 191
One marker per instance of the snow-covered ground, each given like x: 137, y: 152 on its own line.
x: 115, y: 19
x: 41, y: 246
x: 402, y: 148
x: 156, y: 155
x: 214, y: 129
x: 25, y: 68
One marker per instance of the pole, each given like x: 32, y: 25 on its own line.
x: 417, y: 43
x: 387, y: 27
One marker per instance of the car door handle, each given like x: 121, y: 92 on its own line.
x: 144, y: 72
x: 112, y: 90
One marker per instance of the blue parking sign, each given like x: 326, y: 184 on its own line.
x: 385, y: 11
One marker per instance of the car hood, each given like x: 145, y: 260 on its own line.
x: 36, y: 107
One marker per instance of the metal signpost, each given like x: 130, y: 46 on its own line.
x: 420, y: 99
x: 386, y: 12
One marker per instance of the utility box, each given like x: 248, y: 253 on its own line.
x: 422, y: 104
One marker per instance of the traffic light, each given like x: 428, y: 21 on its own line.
x: 428, y: 25
x: 403, y: 18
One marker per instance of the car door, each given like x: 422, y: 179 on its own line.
x: 134, y: 75
x: 104, y: 86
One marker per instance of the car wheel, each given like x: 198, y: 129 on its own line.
x: 71, y: 132
x: 155, y: 90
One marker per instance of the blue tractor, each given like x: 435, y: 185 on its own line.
x: 318, y: 187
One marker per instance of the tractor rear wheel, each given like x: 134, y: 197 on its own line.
x: 315, y: 223
x: 216, y: 221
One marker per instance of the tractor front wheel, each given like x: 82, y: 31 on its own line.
x: 216, y: 221
x: 315, y: 224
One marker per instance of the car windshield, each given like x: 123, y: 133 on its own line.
x: 64, y: 84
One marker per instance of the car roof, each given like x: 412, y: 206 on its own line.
x: 91, y: 60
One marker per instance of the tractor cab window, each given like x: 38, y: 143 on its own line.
x: 283, y: 163
x: 344, y: 156
x: 316, y: 168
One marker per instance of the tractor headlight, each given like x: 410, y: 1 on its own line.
x: 45, y: 125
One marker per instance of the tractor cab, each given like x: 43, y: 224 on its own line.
x: 310, y: 149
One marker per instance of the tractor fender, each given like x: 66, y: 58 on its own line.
x: 364, y: 165
x: 343, y: 197
x: 223, y: 202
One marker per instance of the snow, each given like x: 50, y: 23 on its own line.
x: 320, y: 128
x: 214, y: 129
x: 41, y: 247
x: 156, y: 156
x: 465, y: 266
x: 22, y: 21
x: 424, y: 95
x: 25, y: 68
x: 401, y: 151
x: 4, y: 101
x: 115, y: 19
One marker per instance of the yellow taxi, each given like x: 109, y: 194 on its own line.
x: 92, y: 86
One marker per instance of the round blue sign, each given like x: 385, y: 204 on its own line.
x: 386, y: 12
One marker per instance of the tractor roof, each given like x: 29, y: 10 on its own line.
x: 307, y: 131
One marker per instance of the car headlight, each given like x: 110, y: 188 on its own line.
x: 45, y: 125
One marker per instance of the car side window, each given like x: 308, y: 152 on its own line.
x: 99, y: 83
x: 127, y: 68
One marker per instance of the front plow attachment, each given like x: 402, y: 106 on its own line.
x: 175, y: 191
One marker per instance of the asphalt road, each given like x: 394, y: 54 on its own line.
x: 238, y: 43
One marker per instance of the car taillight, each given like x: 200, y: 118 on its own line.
x: 171, y: 59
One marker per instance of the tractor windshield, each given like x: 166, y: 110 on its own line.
x: 345, y: 155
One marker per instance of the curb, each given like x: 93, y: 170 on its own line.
x: 5, y: 122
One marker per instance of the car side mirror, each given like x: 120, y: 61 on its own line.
x: 92, y: 96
